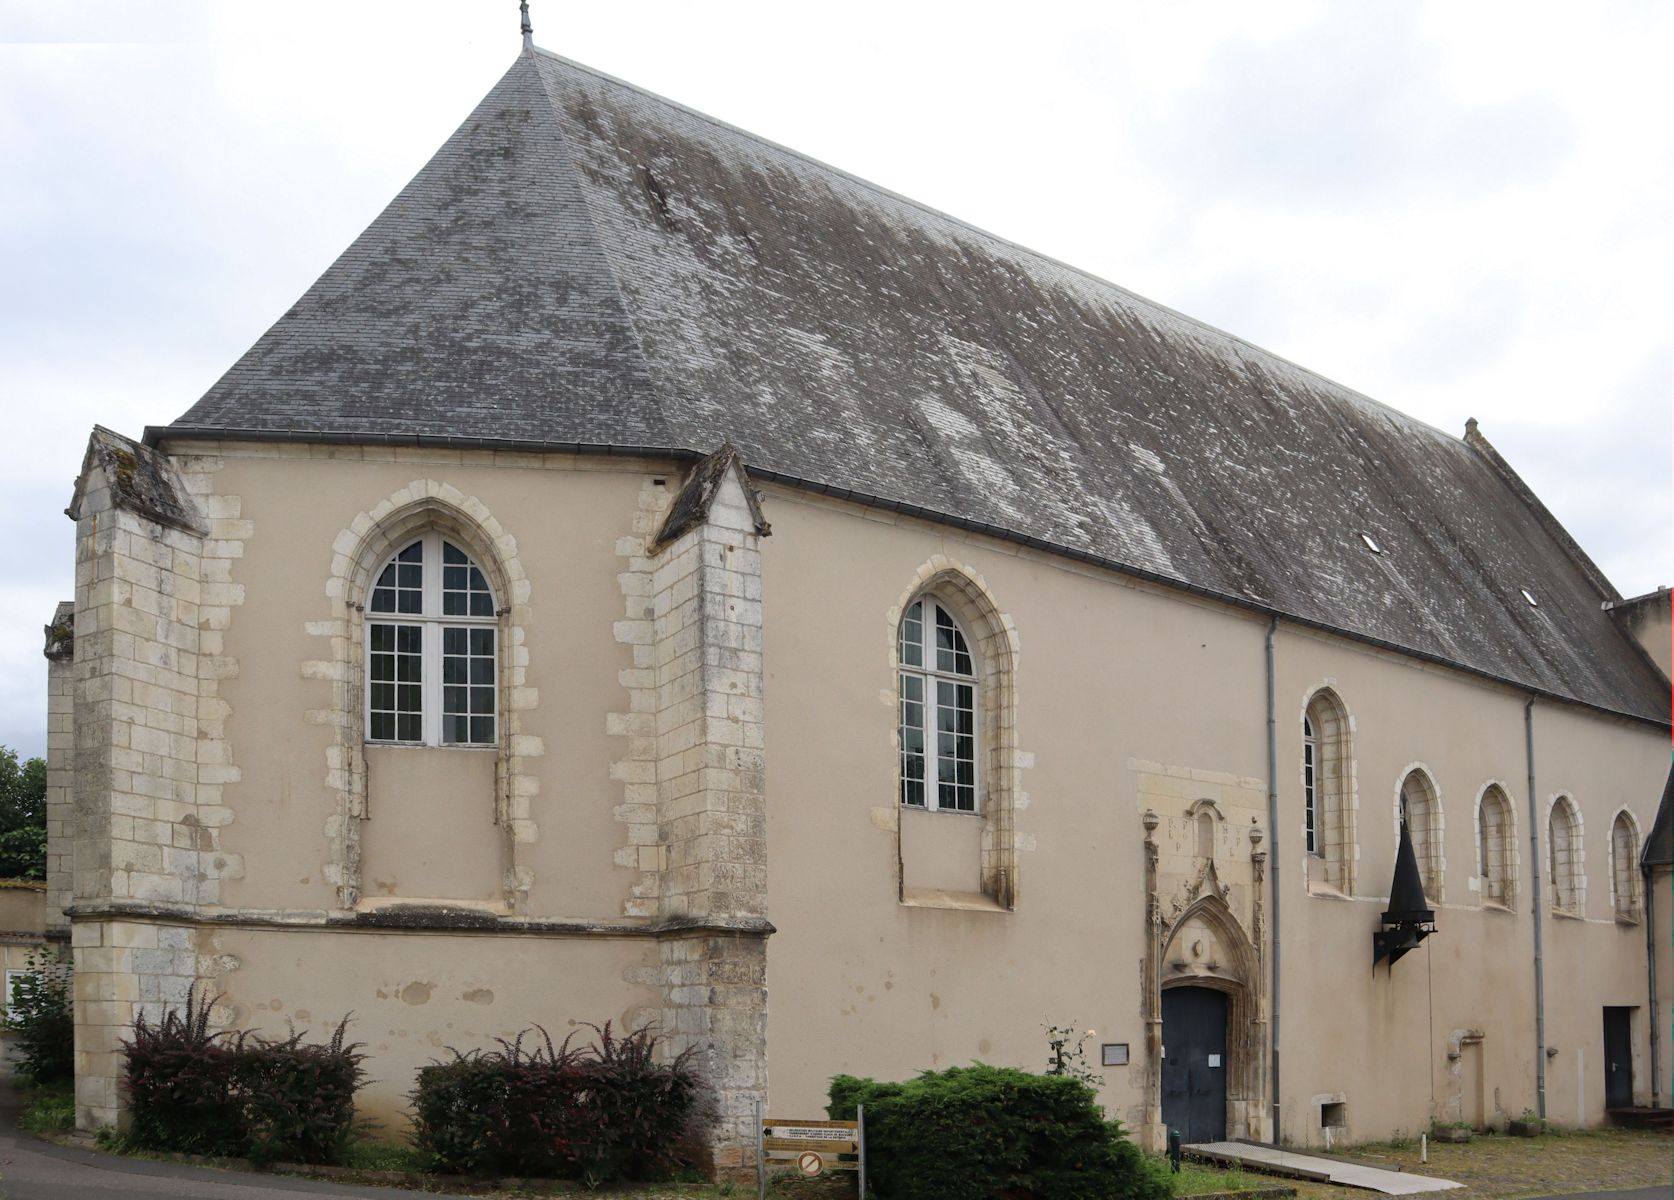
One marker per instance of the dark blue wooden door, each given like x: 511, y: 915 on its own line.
x: 1618, y: 1057
x: 1194, y: 1063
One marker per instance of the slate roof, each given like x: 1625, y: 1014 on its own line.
x: 586, y: 265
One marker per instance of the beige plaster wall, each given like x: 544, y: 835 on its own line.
x: 1119, y: 686
x: 413, y: 995
x: 565, y: 523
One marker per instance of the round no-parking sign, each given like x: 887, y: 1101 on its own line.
x: 810, y: 1163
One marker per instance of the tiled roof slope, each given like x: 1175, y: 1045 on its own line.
x: 586, y: 264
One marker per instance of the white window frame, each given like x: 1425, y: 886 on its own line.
x: 431, y: 623
x: 930, y: 675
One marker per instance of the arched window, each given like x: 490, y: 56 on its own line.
x: 1328, y: 801
x: 1421, y: 812
x: 938, y: 711
x: 432, y: 649
x: 1624, y: 867
x: 1563, y: 851
x: 1496, y: 860
x: 1310, y: 788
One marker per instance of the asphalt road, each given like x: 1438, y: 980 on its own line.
x: 33, y: 1169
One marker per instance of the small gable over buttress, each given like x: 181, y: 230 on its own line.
x: 707, y: 480
x: 139, y: 479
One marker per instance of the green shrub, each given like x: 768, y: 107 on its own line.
x: 238, y: 1094
x: 41, y: 1017
x: 971, y: 1133
x: 602, y: 1114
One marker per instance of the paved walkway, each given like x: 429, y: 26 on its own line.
x: 33, y: 1169
x: 1325, y: 1170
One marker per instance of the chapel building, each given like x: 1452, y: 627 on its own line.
x: 654, y: 576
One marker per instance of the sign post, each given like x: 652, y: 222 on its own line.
x: 812, y: 1147
x: 761, y: 1158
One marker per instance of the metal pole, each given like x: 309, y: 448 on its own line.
x: 1648, y: 904
x: 1275, y: 839
x: 761, y: 1158
x: 860, y: 1136
x: 1534, y: 875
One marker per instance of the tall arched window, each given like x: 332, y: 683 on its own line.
x: 1422, y: 814
x: 431, y: 649
x: 938, y: 710
x: 1328, y: 791
x: 1624, y: 866
x: 1496, y: 861
x: 1563, y: 856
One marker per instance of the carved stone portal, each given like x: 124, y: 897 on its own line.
x: 1204, y: 924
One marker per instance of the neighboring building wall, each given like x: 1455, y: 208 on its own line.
x: 1650, y: 620
x: 23, y: 925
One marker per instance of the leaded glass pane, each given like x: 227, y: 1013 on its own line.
x: 955, y: 746
x: 464, y: 589
x: 912, y: 636
x: 912, y: 740
x: 468, y: 684
x: 395, y: 697
x: 952, y: 654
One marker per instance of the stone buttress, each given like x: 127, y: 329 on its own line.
x: 142, y: 841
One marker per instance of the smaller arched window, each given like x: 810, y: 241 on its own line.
x: 1421, y: 813
x: 1563, y: 856
x: 1310, y: 788
x: 1328, y: 802
x: 432, y: 649
x: 938, y: 710
x: 1496, y: 848
x: 1624, y: 867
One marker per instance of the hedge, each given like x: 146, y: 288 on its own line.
x: 980, y: 1132
x: 601, y: 1114
x: 238, y: 1094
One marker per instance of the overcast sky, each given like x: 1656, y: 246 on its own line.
x: 1461, y: 209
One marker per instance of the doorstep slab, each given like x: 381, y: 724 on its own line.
x: 1278, y: 1160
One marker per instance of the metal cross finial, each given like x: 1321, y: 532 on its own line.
x: 528, y: 29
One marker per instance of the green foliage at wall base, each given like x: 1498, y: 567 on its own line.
x: 40, y: 1014
x: 980, y: 1132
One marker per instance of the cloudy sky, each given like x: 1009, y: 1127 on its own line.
x: 1463, y: 208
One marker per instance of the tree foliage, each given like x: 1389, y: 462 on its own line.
x: 22, y: 816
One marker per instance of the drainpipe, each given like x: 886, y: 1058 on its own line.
x: 1649, y: 904
x: 1273, y: 843
x: 1539, y: 912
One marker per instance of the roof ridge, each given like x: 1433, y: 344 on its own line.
x: 1040, y: 255
x: 567, y: 155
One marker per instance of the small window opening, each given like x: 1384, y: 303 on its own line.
x: 1333, y: 1116
x: 1371, y: 543
x: 1529, y: 596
